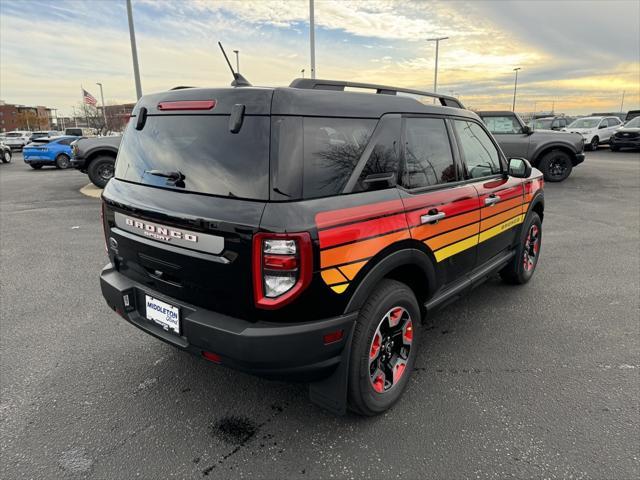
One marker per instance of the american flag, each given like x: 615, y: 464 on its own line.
x: 88, y: 98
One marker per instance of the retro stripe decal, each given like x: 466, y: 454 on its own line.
x: 350, y: 237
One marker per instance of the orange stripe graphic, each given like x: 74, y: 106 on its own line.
x: 448, y: 238
x: 360, y: 250
x: 425, y: 231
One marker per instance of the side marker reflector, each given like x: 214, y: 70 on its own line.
x: 212, y: 357
x: 333, y: 337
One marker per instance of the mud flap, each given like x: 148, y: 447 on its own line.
x: 331, y: 393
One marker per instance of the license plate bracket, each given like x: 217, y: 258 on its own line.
x: 163, y: 314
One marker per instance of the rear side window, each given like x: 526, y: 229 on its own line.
x: 201, y: 149
x: 480, y: 155
x: 332, y: 148
x: 505, y: 125
x: 381, y: 168
x: 613, y: 122
x: 428, y: 157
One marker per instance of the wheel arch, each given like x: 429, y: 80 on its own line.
x: 537, y: 205
x: 541, y: 152
x: 409, y: 262
x: 99, y: 152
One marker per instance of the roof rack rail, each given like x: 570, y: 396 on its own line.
x: 339, y: 85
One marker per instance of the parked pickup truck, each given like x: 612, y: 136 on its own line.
x: 554, y: 153
x: 96, y: 157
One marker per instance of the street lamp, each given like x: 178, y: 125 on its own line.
x: 312, y: 38
x: 435, y: 75
x: 237, y: 52
x: 134, y: 50
x: 515, y: 88
x: 104, y: 112
x: 302, y: 72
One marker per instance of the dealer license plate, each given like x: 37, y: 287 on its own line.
x: 165, y: 315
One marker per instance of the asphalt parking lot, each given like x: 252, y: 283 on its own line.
x: 534, y: 381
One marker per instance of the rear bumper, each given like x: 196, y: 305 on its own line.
x: 37, y: 159
x: 579, y: 158
x: 286, y: 351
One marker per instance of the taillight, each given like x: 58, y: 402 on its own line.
x: 282, y: 265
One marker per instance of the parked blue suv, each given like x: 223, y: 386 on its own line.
x: 54, y: 151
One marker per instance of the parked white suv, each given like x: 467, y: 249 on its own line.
x: 595, y: 130
x: 17, y: 139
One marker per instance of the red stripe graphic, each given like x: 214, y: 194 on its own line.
x: 354, y: 214
x: 361, y: 230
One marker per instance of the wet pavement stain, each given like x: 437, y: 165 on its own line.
x: 238, y: 431
x: 234, y: 430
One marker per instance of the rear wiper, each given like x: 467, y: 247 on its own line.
x: 176, y: 176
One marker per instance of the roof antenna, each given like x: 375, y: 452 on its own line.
x: 238, y: 80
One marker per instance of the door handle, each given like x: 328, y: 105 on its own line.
x: 432, y: 217
x: 491, y: 200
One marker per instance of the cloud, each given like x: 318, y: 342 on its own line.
x: 581, y: 54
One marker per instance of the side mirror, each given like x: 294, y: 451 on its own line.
x: 526, y: 129
x: 519, y: 168
x: 604, y: 125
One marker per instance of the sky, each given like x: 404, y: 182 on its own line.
x: 578, y: 56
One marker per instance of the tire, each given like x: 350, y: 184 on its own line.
x: 101, y: 170
x: 614, y: 149
x: 63, y: 161
x: 6, y: 157
x: 523, y: 266
x: 594, y: 144
x: 556, y: 166
x: 35, y: 166
x: 369, y: 393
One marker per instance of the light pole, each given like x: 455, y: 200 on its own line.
x: 435, y: 75
x: 312, y: 38
x: 302, y: 72
x: 515, y: 89
x: 237, y: 52
x: 134, y: 50
x: 104, y: 112
x: 622, y: 102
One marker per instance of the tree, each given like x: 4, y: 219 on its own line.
x: 27, y: 120
x: 92, y: 116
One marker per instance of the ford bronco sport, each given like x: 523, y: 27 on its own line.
x: 305, y: 232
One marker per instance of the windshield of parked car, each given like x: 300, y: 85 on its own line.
x: 633, y: 123
x: 13, y: 134
x: 542, y: 124
x: 585, y: 123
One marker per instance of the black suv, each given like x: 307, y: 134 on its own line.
x: 305, y: 232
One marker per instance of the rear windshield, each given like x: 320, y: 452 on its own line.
x: 40, y: 140
x: 201, y: 149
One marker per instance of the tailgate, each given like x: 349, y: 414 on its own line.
x: 202, y: 258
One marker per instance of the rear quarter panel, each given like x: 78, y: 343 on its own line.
x: 349, y: 234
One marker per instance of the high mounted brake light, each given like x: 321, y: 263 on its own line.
x: 187, y: 105
x: 282, y: 264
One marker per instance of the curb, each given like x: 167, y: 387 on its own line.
x: 90, y: 190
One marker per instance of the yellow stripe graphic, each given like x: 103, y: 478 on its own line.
x: 458, y: 247
x: 498, y: 229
